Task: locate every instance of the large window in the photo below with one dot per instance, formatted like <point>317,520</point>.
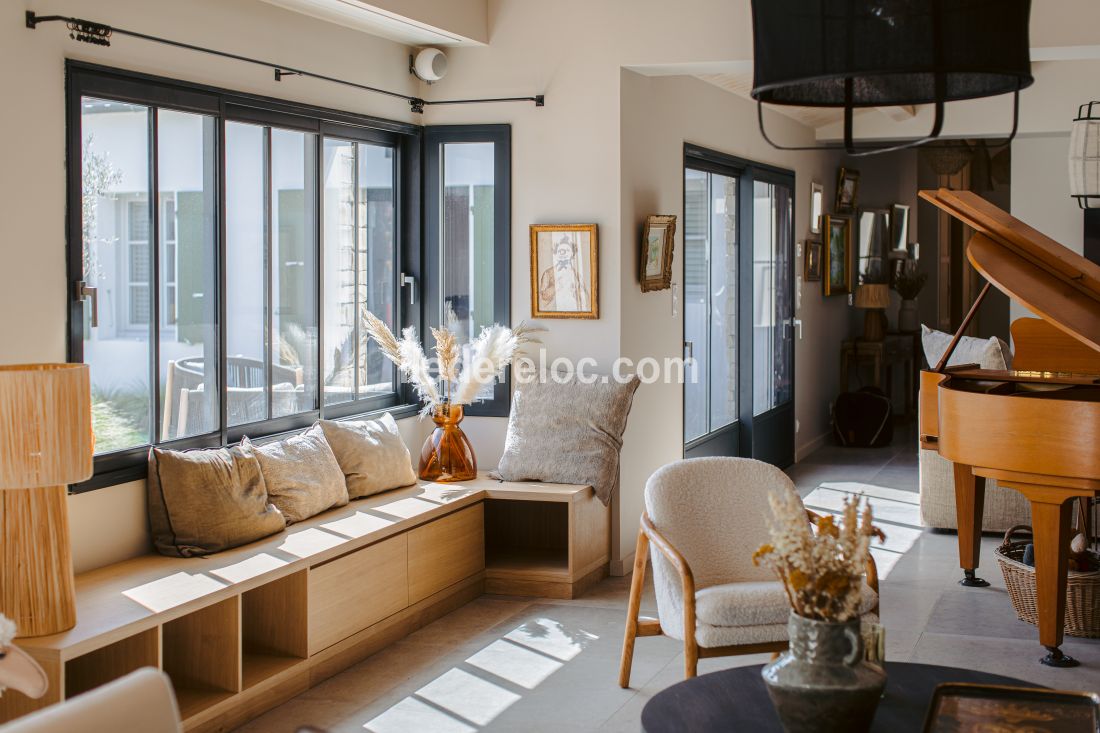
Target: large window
<point>467,233</point>
<point>224,248</point>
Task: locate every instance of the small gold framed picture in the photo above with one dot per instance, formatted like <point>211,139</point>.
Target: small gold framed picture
<point>565,272</point>
<point>658,240</point>
<point>847,191</point>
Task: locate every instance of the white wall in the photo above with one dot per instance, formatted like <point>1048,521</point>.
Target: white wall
<point>658,115</point>
<point>1040,193</point>
<point>110,524</point>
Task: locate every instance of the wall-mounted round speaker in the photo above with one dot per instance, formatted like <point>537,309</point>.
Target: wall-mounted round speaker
<point>430,64</point>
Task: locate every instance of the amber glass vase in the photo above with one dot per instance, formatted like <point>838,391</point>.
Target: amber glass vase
<point>447,454</point>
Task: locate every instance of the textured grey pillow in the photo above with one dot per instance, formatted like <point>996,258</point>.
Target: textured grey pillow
<point>204,501</point>
<point>567,433</point>
<point>301,474</point>
<point>371,454</point>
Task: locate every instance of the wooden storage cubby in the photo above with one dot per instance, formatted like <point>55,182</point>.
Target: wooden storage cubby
<point>201,652</point>
<point>99,667</point>
<point>531,536</point>
<point>274,624</point>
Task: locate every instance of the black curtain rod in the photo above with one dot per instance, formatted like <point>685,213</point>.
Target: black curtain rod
<point>87,31</point>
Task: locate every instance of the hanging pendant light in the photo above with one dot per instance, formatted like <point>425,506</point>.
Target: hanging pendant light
<point>853,54</point>
<point>1084,156</point>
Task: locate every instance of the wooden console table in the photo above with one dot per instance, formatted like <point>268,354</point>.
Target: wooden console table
<point>241,631</point>
<point>897,349</point>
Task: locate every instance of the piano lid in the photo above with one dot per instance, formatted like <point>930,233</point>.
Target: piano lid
<point>1057,284</point>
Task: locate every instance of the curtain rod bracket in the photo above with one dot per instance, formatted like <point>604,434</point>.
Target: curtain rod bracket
<point>279,74</point>
<point>417,105</point>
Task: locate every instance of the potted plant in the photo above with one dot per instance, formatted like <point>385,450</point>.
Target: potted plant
<point>822,683</point>
<point>908,283</point>
<point>459,376</point>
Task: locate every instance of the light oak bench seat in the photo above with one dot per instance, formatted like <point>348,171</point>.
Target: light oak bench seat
<point>245,629</point>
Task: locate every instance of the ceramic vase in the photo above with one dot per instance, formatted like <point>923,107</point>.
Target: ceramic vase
<point>908,319</point>
<point>447,455</point>
<point>822,684</point>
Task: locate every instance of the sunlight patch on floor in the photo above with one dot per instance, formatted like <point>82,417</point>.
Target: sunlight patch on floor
<point>474,693</point>
<point>896,512</point>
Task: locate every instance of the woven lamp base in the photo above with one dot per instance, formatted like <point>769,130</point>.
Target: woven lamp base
<point>36,566</point>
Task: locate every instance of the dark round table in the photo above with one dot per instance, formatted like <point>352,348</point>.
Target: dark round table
<point>736,700</point>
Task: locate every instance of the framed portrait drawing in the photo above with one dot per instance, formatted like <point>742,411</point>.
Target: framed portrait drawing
<point>836,253</point>
<point>847,191</point>
<point>655,271</point>
<point>811,271</point>
<point>565,271</point>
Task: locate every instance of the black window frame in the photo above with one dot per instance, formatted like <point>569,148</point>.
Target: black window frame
<point>500,136</point>
<point>84,79</point>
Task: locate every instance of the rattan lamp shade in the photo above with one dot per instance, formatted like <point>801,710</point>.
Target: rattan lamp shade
<point>872,295</point>
<point>45,443</point>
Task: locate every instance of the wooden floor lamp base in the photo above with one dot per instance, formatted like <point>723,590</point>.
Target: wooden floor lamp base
<point>36,567</point>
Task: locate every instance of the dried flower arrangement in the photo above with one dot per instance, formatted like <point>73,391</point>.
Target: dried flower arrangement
<point>458,380</point>
<point>909,282</point>
<point>822,572</point>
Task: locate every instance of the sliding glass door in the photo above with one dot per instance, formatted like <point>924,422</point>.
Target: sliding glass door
<point>738,308</point>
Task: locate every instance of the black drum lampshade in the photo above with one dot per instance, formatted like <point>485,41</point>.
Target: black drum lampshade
<point>884,53</point>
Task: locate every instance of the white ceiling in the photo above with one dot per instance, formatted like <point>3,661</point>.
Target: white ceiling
<point>360,16</point>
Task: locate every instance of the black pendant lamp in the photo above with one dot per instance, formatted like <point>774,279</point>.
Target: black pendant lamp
<point>886,53</point>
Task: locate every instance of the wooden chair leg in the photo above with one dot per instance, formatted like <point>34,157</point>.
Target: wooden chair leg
<point>637,583</point>
<point>691,659</point>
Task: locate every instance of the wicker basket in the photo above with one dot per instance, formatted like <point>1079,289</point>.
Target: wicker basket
<point>1082,589</point>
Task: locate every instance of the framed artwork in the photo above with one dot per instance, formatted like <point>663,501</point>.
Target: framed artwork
<point>656,256</point>
<point>899,228</point>
<point>817,207</point>
<point>811,270</point>
<point>565,271</point>
<point>847,191</point>
<point>837,255</point>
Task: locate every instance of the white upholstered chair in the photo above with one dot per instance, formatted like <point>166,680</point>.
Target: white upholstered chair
<point>704,519</point>
<point>140,702</point>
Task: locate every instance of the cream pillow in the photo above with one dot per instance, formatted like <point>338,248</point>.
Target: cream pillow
<point>301,473</point>
<point>991,353</point>
<point>371,454</point>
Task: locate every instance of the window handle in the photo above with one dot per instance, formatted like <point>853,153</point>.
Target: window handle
<point>84,290</point>
<point>689,346</point>
<point>411,282</point>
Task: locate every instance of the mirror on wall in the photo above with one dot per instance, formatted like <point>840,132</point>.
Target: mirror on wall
<point>899,229</point>
<point>817,206</point>
<point>874,235</point>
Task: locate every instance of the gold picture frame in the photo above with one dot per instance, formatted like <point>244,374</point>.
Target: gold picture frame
<point>565,271</point>
<point>836,255</point>
<point>655,257</point>
<point>847,191</point>
<point>811,270</point>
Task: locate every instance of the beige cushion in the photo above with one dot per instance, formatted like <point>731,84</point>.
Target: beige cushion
<point>204,501</point>
<point>1003,507</point>
<point>709,636</point>
<point>991,353</point>
<point>301,474</point>
<point>371,454</point>
<point>754,604</point>
<point>140,702</point>
<point>567,433</point>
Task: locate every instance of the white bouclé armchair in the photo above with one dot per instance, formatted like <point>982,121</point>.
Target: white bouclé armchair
<point>704,519</point>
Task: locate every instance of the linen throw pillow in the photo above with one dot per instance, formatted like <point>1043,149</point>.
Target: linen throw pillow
<point>205,501</point>
<point>567,433</point>
<point>991,353</point>
<point>371,454</point>
<point>301,474</point>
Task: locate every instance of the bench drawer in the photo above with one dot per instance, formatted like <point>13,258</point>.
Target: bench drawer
<point>352,592</point>
<point>446,551</point>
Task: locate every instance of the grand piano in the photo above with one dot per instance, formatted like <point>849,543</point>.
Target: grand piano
<point>1036,428</point>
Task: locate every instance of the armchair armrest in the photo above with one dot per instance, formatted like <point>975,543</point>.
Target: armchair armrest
<point>680,564</point>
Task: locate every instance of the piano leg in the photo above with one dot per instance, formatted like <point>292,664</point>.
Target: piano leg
<point>1051,524</point>
<point>969,506</point>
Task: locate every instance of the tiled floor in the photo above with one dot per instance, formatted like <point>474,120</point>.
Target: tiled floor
<point>516,664</point>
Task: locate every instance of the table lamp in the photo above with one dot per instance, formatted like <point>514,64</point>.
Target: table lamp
<point>875,298</point>
<point>46,442</point>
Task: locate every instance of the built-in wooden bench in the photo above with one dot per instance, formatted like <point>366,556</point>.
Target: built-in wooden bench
<point>244,630</point>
